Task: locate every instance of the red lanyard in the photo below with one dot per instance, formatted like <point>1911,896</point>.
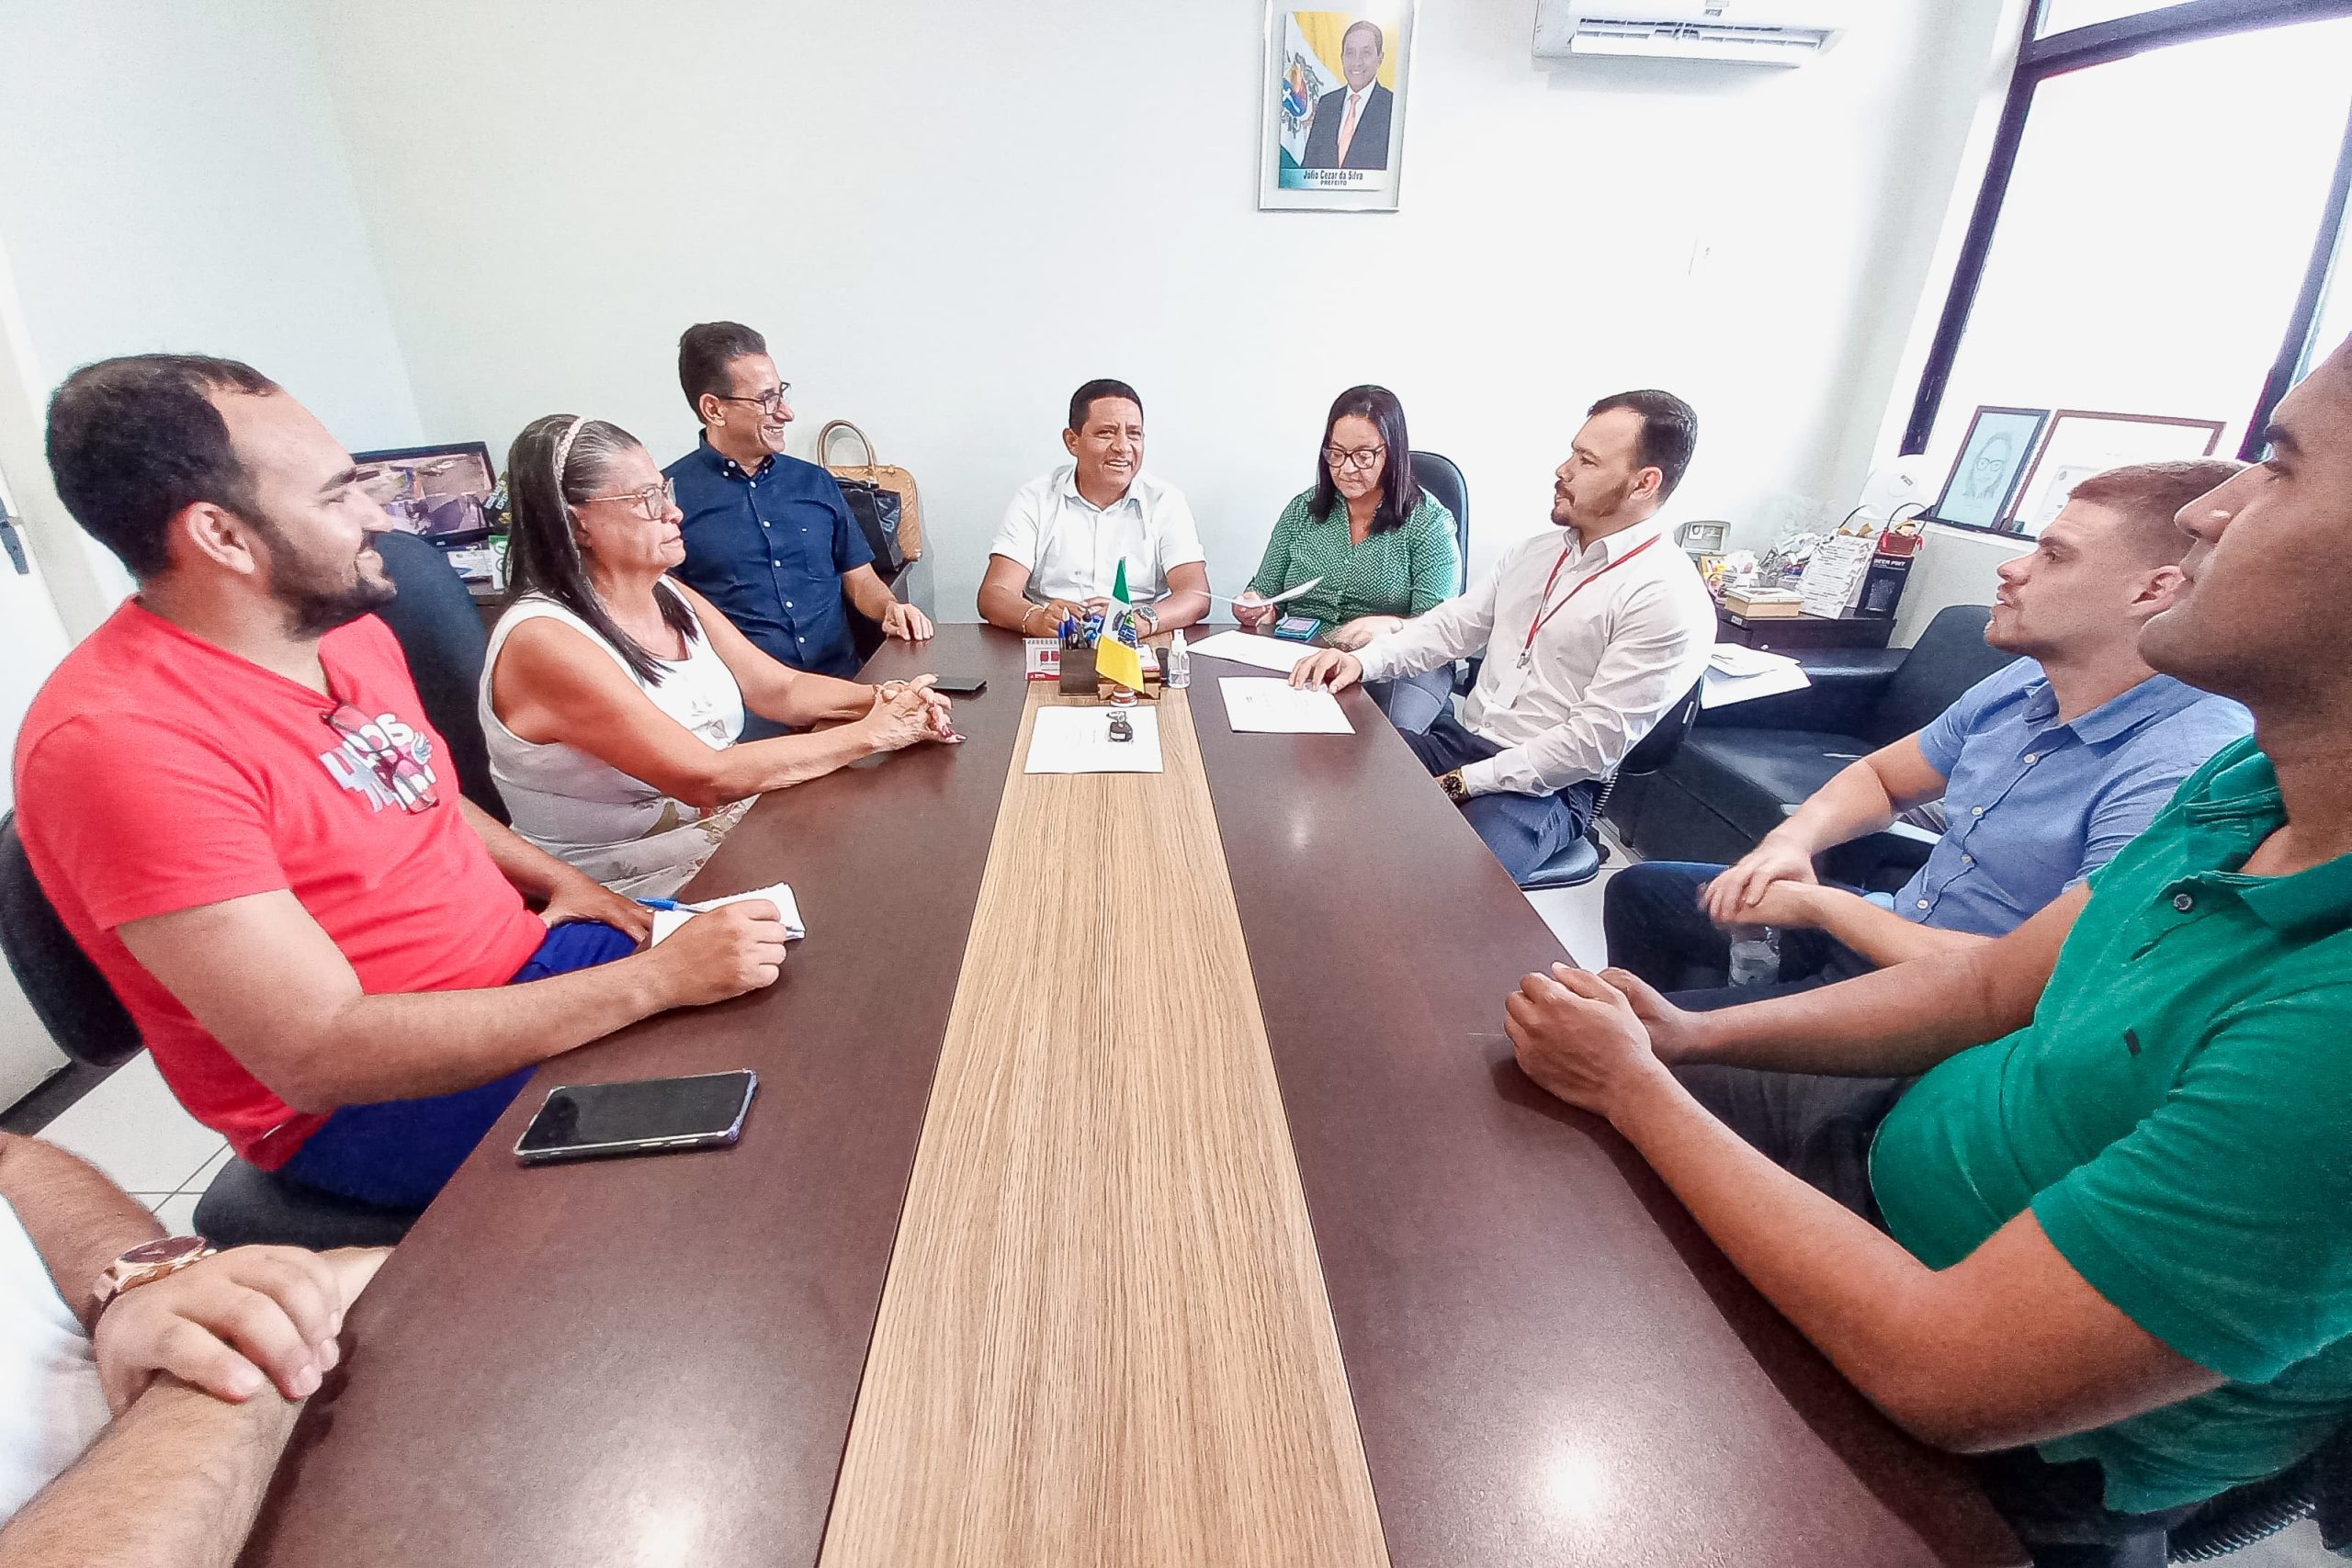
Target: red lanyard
<point>1544,617</point>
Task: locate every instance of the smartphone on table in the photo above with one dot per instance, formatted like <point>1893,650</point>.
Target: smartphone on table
<point>959,685</point>
<point>599,1121</point>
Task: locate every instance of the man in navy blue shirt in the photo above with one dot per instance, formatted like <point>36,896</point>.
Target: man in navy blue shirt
<point>769,540</point>
<point>2046,769</point>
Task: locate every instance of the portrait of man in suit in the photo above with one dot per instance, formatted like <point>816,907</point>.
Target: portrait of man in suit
<point>1349,130</point>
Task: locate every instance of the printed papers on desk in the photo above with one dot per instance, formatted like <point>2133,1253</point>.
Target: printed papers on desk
<point>1265,652</point>
<point>1078,741</point>
<point>665,921</point>
<point>1264,706</point>
<point>1736,674</point>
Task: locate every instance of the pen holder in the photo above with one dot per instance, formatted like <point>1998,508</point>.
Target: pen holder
<point>1079,678</point>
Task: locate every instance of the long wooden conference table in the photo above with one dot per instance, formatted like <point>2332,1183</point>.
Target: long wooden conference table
<point>1139,1175</point>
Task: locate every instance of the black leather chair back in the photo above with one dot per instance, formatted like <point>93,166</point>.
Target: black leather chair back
<point>69,996</point>
<point>2319,1487</point>
<point>440,631</point>
<point>1657,749</point>
<point>1438,476</point>
<point>1950,657</point>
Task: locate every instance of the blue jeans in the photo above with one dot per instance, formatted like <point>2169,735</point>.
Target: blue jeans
<point>397,1154</point>
<point>1414,702</point>
<point>1523,830</point>
<point>1651,916</point>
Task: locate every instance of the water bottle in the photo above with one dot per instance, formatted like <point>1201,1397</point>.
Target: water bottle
<point>1177,662</point>
<point>1754,956</point>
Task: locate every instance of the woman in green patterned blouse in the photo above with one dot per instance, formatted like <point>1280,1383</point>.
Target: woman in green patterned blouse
<point>1383,547</point>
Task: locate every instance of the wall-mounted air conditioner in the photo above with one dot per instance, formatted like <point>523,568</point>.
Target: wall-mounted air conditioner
<point>1748,32</point>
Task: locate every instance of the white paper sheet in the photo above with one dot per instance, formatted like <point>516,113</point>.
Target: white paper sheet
<point>1718,690</point>
<point>1260,704</point>
<point>1265,652</point>
<point>1078,741</point>
<point>665,921</point>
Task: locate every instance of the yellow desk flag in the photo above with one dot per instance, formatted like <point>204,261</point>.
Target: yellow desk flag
<point>1115,658</point>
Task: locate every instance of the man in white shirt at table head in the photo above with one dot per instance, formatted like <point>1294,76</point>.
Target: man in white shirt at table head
<point>1065,536</point>
<point>1589,636</point>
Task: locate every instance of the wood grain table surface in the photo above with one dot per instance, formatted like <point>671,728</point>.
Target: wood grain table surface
<point>1528,1346</point>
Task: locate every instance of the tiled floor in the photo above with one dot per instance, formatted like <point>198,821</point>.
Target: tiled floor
<point>1573,913</point>
<point>131,1128</point>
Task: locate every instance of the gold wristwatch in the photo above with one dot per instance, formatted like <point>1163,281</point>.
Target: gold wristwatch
<point>1452,783</point>
<point>146,1263</point>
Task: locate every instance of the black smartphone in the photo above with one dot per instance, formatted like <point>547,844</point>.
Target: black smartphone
<point>595,1121</point>
<point>959,685</point>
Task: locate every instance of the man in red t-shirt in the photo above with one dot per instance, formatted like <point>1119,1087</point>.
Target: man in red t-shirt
<point>233,795</point>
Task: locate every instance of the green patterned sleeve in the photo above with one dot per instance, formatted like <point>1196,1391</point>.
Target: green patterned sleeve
<point>1274,570</point>
<point>1436,558</point>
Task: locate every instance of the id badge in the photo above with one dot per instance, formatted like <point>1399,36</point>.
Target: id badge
<point>1510,683</point>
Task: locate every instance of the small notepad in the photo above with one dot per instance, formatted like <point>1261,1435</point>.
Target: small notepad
<point>668,920</point>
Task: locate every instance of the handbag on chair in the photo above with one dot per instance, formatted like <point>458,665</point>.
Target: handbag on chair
<point>881,497</point>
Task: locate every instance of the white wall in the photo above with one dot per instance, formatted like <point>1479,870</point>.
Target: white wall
<point>1956,566</point>
<point>944,219</point>
<point>171,177</point>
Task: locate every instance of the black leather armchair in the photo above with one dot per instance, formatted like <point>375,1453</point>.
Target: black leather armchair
<point>440,632</point>
<point>1746,767</point>
<point>245,1203</point>
<point>1442,478</point>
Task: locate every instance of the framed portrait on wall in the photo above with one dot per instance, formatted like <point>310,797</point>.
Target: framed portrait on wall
<point>1331,127</point>
<point>2082,443</point>
<point>1991,466</point>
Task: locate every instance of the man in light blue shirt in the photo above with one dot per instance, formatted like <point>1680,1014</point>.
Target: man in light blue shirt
<point>2045,768</point>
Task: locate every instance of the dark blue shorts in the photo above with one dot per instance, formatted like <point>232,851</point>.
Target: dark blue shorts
<point>399,1153</point>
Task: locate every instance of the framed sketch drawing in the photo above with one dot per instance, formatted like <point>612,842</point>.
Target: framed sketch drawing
<point>1991,466</point>
<point>2082,443</point>
<point>1332,129</point>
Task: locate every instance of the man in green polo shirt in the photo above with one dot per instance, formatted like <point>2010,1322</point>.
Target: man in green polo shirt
<point>2106,1240</point>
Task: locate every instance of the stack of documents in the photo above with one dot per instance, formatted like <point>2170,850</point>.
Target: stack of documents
<point>1736,674</point>
<point>1265,652</point>
<point>1078,741</point>
<point>1268,706</point>
<point>668,920</point>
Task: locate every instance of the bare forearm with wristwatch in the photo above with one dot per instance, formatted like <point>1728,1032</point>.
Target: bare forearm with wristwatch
<point>203,1357</point>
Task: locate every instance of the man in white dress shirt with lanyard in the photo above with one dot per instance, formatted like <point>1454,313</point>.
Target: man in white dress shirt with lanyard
<point>1059,551</point>
<point>1587,642</point>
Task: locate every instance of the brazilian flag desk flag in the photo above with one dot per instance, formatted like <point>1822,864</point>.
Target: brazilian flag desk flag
<point>1115,658</point>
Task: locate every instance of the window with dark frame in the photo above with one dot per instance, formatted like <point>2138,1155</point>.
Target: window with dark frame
<point>2271,322</point>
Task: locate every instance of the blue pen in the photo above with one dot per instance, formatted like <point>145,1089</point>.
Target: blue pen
<point>671,904</point>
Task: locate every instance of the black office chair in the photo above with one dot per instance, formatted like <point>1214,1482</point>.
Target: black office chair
<point>440,632</point>
<point>2319,1485</point>
<point>1442,478</point>
<point>244,1204</point>
<point>1580,859</point>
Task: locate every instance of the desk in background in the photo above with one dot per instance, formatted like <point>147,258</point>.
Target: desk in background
<point>1788,634</point>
